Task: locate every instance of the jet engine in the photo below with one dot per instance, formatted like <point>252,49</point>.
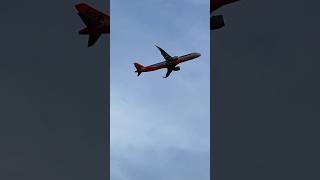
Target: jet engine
<point>177,68</point>
<point>175,57</point>
<point>216,22</point>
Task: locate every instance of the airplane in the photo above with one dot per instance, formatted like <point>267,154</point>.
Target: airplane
<point>217,22</point>
<point>97,22</point>
<point>170,63</point>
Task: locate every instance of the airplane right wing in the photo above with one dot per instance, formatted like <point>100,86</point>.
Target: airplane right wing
<point>166,56</point>
<point>90,16</point>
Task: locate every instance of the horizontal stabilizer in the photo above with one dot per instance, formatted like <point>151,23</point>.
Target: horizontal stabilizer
<point>93,39</point>
<point>139,68</point>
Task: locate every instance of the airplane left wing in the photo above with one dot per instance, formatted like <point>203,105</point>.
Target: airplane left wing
<point>166,56</point>
<point>169,70</point>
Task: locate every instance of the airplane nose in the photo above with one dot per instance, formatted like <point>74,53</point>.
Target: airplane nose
<point>198,54</point>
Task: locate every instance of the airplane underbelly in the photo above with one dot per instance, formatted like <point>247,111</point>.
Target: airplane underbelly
<point>152,68</point>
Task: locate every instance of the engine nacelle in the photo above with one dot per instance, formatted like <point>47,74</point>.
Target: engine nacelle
<point>216,22</point>
<point>177,68</point>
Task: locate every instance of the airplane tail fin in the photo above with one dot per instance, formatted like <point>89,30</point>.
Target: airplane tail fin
<point>139,68</point>
<point>93,19</point>
<point>89,15</point>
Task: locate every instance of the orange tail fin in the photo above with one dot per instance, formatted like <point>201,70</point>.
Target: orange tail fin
<point>139,68</point>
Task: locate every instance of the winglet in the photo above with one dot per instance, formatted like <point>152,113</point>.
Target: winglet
<point>157,46</point>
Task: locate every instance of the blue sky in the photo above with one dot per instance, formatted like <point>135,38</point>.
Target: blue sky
<point>160,128</point>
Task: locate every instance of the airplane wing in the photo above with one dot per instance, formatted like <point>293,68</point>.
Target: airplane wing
<point>169,70</point>
<point>90,16</point>
<point>216,4</point>
<point>166,56</point>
